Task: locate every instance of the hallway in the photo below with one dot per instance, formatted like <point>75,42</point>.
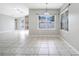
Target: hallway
<point>19,43</point>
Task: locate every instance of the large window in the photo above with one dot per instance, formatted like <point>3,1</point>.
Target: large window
<point>46,22</point>
<point>64,21</point>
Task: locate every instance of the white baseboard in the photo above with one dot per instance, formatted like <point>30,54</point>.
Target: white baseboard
<point>74,49</point>
<point>6,31</point>
<point>54,36</point>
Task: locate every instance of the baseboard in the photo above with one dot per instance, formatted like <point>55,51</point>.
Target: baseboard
<point>54,36</point>
<point>74,49</point>
<point>6,31</point>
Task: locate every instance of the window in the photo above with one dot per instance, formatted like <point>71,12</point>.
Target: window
<point>46,22</point>
<point>64,21</point>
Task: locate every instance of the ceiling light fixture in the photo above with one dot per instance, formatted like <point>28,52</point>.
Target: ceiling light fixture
<point>46,10</point>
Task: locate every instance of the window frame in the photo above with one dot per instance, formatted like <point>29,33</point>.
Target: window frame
<point>47,28</point>
<point>67,9</point>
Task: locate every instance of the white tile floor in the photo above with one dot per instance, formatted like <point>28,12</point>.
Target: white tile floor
<point>20,44</point>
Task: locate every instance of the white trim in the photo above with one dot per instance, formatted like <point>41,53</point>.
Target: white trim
<point>64,11</point>
<point>7,31</point>
<point>54,36</point>
<point>64,30</point>
<point>60,17</point>
<point>74,49</point>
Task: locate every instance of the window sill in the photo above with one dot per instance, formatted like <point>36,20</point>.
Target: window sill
<point>47,29</point>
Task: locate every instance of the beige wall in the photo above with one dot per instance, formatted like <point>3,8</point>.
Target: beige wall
<point>33,22</point>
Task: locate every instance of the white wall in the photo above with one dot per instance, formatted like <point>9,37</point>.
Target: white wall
<point>72,36</point>
<point>33,22</point>
<point>7,23</point>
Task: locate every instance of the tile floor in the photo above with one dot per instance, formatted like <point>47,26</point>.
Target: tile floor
<point>21,44</point>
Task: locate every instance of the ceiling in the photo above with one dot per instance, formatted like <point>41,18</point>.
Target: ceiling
<point>32,5</point>
<point>14,10</point>
<point>43,5</point>
<point>22,9</point>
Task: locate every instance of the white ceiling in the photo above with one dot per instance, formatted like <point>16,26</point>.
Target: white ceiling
<point>22,9</point>
<point>32,5</point>
<point>43,5</point>
<point>14,10</point>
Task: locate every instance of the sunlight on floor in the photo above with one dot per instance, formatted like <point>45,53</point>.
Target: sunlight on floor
<point>23,34</point>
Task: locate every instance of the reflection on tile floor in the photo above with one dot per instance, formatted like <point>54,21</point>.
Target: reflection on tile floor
<point>20,44</point>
